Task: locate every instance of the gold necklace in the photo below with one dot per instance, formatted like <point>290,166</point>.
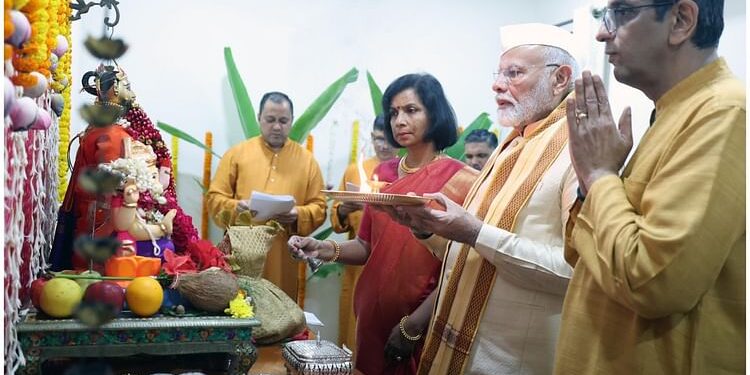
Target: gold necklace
<point>404,168</point>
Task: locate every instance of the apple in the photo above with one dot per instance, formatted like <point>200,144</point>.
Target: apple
<point>36,292</point>
<point>84,283</point>
<point>106,292</point>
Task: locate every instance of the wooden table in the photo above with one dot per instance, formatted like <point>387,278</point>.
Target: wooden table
<point>44,338</point>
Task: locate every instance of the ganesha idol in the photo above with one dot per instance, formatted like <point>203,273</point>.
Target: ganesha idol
<point>150,230</point>
<point>142,212</point>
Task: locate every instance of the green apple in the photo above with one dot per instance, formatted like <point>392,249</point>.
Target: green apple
<point>84,283</point>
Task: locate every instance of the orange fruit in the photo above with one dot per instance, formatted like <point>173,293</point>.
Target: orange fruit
<point>144,296</point>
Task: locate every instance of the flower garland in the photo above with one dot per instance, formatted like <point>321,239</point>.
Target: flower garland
<point>30,182</point>
<point>137,170</point>
<point>175,152</point>
<point>206,181</point>
<point>355,140</point>
<point>142,129</point>
<point>34,55</point>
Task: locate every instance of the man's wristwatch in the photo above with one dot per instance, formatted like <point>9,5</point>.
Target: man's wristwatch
<point>421,235</point>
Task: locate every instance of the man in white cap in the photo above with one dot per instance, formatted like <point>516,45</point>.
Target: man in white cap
<point>504,275</point>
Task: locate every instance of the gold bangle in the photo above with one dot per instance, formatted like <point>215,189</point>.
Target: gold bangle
<point>403,330</point>
<point>336,251</point>
<point>130,205</point>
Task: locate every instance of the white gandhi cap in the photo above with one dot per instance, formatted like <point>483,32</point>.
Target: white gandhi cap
<point>512,36</point>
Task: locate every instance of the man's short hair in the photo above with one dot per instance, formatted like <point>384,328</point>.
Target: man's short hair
<point>710,22</point>
<point>482,135</point>
<point>442,132</point>
<point>555,55</point>
<point>379,123</point>
<point>276,97</point>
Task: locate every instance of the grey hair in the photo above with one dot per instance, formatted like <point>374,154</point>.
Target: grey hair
<point>554,55</point>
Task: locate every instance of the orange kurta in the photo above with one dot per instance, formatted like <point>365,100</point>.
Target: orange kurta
<point>350,225</point>
<point>253,166</point>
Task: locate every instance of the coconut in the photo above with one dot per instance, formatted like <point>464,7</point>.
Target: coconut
<point>209,290</point>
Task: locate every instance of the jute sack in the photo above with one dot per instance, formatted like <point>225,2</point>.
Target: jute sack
<point>247,247</point>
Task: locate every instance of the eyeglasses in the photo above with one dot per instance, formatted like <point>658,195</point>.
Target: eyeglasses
<point>515,74</point>
<point>620,15</point>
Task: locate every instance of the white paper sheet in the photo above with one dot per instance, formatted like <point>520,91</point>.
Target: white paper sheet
<point>267,206</point>
<point>313,320</point>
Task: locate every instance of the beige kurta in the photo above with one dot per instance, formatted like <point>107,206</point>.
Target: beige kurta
<point>519,326</point>
<point>659,287</point>
<point>347,321</point>
<point>253,166</point>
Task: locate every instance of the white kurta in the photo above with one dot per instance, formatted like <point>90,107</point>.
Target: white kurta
<point>520,325</point>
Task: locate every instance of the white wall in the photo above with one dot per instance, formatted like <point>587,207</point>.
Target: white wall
<point>175,63</point>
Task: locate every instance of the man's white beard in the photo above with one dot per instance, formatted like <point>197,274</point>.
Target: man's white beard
<point>528,107</point>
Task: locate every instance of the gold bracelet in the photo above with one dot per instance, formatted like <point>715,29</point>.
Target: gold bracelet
<point>336,251</point>
<point>130,205</point>
<point>403,330</point>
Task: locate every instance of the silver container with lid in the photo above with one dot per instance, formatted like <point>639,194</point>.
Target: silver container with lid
<point>317,357</point>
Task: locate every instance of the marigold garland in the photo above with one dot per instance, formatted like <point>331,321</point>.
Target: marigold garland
<point>175,153</point>
<point>9,28</point>
<point>302,266</point>
<point>206,182</point>
<point>355,141</point>
<point>34,54</point>
<point>63,73</point>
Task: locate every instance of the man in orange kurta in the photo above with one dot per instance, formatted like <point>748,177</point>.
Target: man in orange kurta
<point>346,218</point>
<point>274,165</point>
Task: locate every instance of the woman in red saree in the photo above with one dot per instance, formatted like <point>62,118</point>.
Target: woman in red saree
<point>394,298</point>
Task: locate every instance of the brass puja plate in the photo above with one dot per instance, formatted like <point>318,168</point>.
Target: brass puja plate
<point>384,199</point>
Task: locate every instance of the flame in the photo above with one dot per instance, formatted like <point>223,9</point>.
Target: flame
<point>375,184</point>
<point>364,186</point>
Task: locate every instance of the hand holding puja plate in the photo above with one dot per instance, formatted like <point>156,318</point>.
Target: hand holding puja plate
<point>384,199</point>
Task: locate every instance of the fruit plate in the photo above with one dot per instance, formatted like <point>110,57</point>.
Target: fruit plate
<point>385,199</point>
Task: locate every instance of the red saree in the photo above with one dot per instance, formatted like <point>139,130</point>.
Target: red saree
<point>400,272</point>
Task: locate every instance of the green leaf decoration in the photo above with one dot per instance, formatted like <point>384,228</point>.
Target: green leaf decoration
<point>204,189</point>
<point>328,269</point>
<point>375,94</point>
<point>320,107</point>
<point>481,122</point>
<point>323,234</point>
<point>244,107</point>
<point>184,136</point>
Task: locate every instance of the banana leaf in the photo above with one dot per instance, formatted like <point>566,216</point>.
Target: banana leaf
<point>184,136</point>
<point>481,122</point>
<point>244,107</point>
<point>375,94</point>
<point>320,107</point>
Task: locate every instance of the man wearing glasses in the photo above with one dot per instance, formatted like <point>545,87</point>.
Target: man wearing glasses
<point>659,282</point>
<point>504,276</point>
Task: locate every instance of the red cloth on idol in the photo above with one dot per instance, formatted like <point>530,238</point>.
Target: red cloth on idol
<point>97,145</point>
<point>401,272</point>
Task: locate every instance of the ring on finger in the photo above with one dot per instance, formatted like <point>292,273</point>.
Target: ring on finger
<point>581,115</point>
